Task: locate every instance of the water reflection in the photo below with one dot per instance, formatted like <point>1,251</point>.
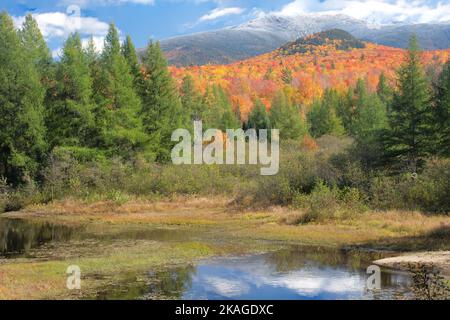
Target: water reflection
<point>18,236</point>
<point>296,273</point>
<point>293,273</point>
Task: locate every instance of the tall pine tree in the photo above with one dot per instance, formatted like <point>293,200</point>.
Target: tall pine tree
<point>36,47</point>
<point>191,100</point>
<point>71,120</point>
<point>442,113</point>
<point>130,54</point>
<point>22,143</point>
<point>258,118</point>
<point>285,117</point>
<point>118,103</point>
<point>322,117</point>
<point>408,139</point>
<point>161,109</point>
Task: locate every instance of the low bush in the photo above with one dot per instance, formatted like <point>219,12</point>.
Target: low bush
<point>429,191</point>
<point>325,203</point>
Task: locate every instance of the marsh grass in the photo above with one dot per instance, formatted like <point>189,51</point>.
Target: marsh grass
<point>212,229</point>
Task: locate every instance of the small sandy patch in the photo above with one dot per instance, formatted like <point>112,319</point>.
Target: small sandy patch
<point>439,259</point>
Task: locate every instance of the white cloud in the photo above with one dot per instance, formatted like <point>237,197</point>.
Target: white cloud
<point>220,12</point>
<point>87,3</point>
<point>227,288</point>
<point>376,11</point>
<point>60,25</point>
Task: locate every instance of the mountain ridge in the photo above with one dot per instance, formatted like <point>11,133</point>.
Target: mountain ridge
<point>268,33</point>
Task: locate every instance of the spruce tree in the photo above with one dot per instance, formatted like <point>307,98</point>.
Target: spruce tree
<point>229,120</point>
<point>22,144</point>
<point>191,100</point>
<point>258,118</point>
<point>442,113</point>
<point>161,110</point>
<point>36,46</point>
<point>322,117</point>
<point>90,52</point>
<point>118,103</point>
<point>129,52</point>
<point>409,138</point>
<point>345,110</point>
<point>384,91</point>
<point>71,121</point>
<point>368,129</point>
<point>286,118</point>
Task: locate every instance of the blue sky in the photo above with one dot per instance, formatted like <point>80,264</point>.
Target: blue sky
<point>159,19</point>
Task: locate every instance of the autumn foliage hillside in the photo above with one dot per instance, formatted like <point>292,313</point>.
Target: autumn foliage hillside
<point>303,72</point>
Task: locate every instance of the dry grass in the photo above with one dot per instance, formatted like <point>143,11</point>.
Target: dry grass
<point>218,228</point>
<point>272,224</point>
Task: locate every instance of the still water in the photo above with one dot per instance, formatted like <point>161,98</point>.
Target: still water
<point>294,272</point>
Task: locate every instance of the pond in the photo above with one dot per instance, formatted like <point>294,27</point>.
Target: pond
<point>294,272</point>
<point>18,237</point>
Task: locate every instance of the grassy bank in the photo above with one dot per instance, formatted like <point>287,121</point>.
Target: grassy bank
<point>197,228</point>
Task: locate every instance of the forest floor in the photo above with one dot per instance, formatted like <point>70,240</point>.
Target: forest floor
<point>115,240</point>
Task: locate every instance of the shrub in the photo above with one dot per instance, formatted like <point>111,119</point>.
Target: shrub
<point>320,205</point>
<point>329,203</point>
<point>428,191</point>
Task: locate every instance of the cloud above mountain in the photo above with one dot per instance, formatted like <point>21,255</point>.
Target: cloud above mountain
<point>220,12</point>
<point>375,11</point>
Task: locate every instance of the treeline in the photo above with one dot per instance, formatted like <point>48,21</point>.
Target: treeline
<point>89,105</point>
<point>93,106</point>
<point>396,127</point>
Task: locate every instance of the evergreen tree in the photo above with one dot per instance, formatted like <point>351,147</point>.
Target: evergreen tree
<point>161,110</point>
<point>118,104</point>
<point>322,117</point>
<point>368,129</point>
<point>191,100</point>
<point>345,110</point>
<point>94,62</point>
<point>258,118</point>
<point>372,118</point>
<point>90,52</point>
<point>384,91</point>
<point>22,143</point>
<point>129,52</point>
<point>229,120</point>
<point>285,117</point>
<point>219,112</point>
<point>71,121</point>
<point>35,45</point>
<point>442,113</point>
<point>408,139</point>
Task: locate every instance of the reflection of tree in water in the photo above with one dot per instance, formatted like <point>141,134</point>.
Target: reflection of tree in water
<point>302,257</point>
<point>171,284</point>
<point>19,236</point>
<point>297,257</point>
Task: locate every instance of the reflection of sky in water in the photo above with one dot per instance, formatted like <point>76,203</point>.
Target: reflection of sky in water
<point>255,278</point>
